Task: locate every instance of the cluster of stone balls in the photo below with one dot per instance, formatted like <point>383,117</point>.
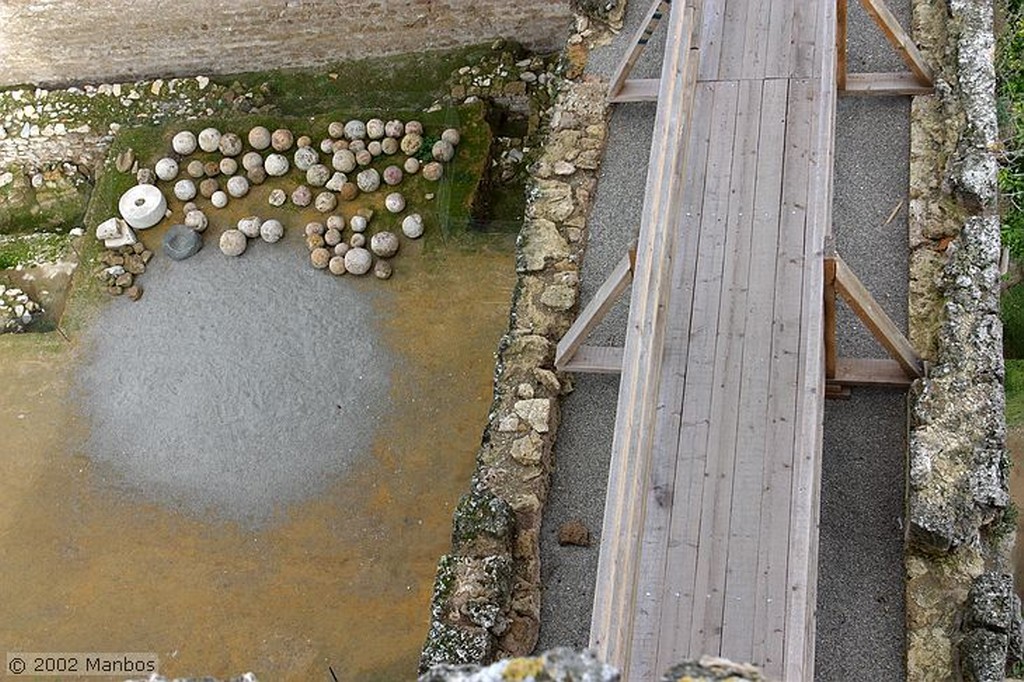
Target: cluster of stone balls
<point>328,248</point>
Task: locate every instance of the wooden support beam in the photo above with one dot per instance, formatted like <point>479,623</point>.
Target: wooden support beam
<point>596,360</point>
<point>876,320</point>
<point>890,26</point>
<point>638,90</point>
<point>870,372</point>
<point>830,318</point>
<point>841,44</point>
<point>659,9</point>
<point>881,84</point>
<point>595,311</point>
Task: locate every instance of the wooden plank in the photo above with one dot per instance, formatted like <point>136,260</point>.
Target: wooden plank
<point>876,320</point>
<point>830,318</point>
<point>805,61</point>
<point>885,84</point>
<point>596,360</point>
<point>712,18</point>
<point>890,26</point>
<point>841,43</point>
<point>755,48</point>
<point>595,311</point>
<point>870,372</point>
<point>637,90</point>
<point>780,32</point>
<point>659,8</point>
<point>738,616</point>
<point>665,492</point>
<point>612,618</point>
<point>731,63</point>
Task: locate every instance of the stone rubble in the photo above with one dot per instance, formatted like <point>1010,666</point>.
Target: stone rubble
<point>17,310</point>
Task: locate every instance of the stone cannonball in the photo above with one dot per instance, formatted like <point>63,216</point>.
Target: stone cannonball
<point>252,160</point>
<point>259,138</point>
<point>395,202</point>
<point>304,141</point>
<point>208,186</point>
<point>412,165</point>
<point>374,148</point>
<point>189,206</point>
<point>389,146</point>
<point>315,228</point>
<point>338,145</point>
<point>166,169</point>
<point>230,144</point>
<point>196,220</point>
<point>341,249</point>
<point>336,222</point>
<point>337,265</point>
<point>414,127</point>
<point>355,130</point>
<point>219,199</point>
<point>228,166</point>
<point>368,180</point>
<point>442,151</point>
<point>238,186</point>
<point>143,206</point>
<point>327,145</point>
<point>256,176</point>
<point>358,223</point>
<point>452,136</point>
<point>344,160</point>
<point>211,169</point>
<point>336,182</point>
<point>364,158</point>
<point>209,139</point>
<point>358,261</point>
<point>384,244</point>
<point>195,169</point>
<point>349,191</point>
<point>320,258</point>
<point>357,145</point>
<point>394,128</point>
<point>392,175</point>
<point>412,226</point>
<point>276,165</point>
<point>271,231</point>
<point>232,243</point>
<point>318,174</point>
<point>357,240</point>
<point>325,202</point>
<point>185,189</point>
<point>336,129</point>
<point>277,197</point>
<point>314,242</point>
<point>302,196</point>
<point>184,143</point>
<point>305,157</point>
<point>411,144</point>
<point>250,226</point>
<point>282,140</point>
<point>433,171</point>
<point>382,269</point>
<point>375,129</point>
<point>332,237</point>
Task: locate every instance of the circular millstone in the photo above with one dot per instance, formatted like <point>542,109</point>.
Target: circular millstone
<point>142,206</point>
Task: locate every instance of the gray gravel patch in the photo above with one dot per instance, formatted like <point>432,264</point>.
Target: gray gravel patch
<point>235,386</point>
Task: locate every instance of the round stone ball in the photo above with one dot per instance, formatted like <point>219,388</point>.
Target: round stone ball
<point>355,130</point>
<point>250,226</point>
<point>325,202</point>
<point>336,182</point>
<point>232,243</point>
<point>374,148</point>
<point>382,270</point>
<point>443,151</point>
<point>211,169</point>
<point>414,127</point>
<point>318,174</point>
<point>349,191</point>
<point>315,228</point>
<point>230,144</point>
<point>384,244</point>
<point>375,129</point>
<point>271,231</point>
<point>185,189</point>
<point>314,242</point>
<point>196,220</point>
<point>184,143</point>
<point>256,176</point>
<point>252,160</point>
<point>282,140</point>
<point>320,258</point>
<point>357,240</point>
<point>364,158</point>
<point>389,146</point>
<point>302,196</point>
<point>344,160</point>
<point>327,145</point>
<point>259,138</point>
<point>395,202</point>
<point>304,141</point>
<point>228,166</point>
<point>433,171</point>
<point>209,139</point>
<point>219,199</point>
<point>195,168</point>
<point>451,136</point>
<point>357,145</point>
<point>277,197</point>
<point>392,175</point>
<point>238,186</point>
<point>358,261</point>
<point>394,128</point>
<point>332,237</point>
<point>411,143</point>
<point>276,165</point>
<point>412,165</point>
<point>358,223</point>
<point>208,186</point>
<point>337,265</point>
<point>305,157</point>
<point>336,222</point>
<point>336,129</point>
<point>189,206</point>
<point>368,180</point>
<point>341,249</point>
<point>166,169</point>
<point>338,145</point>
<point>412,226</point>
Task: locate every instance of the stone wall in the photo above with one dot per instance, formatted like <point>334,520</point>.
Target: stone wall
<point>60,41</point>
<point>963,618</point>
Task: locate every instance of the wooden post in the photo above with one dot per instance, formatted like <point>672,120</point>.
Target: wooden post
<point>841,45</point>
<point>830,318</point>
<point>595,310</point>
<point>643,35</point>
<point>886,21</point>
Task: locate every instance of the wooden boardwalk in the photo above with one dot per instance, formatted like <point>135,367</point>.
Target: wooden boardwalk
<point>710,537</point>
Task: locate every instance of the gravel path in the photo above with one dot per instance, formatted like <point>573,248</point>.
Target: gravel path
<point>234,386</point>
<point>860,607</point>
